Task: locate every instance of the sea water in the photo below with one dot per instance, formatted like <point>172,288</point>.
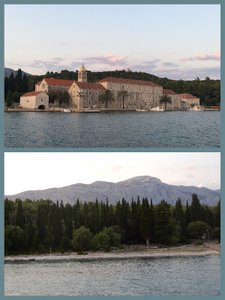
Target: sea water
<point>174,276</point>
<point>112,129</point>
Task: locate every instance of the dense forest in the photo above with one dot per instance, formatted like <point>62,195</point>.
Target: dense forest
<point>44,226</point>
<point>207,90</point>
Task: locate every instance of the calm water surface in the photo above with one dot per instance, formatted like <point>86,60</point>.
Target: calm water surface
<point>114,130</point>
<point>150,276</point>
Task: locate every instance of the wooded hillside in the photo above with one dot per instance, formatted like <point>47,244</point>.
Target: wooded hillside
<point>207,90</point>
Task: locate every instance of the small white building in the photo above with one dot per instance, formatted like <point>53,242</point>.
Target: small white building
<point>34,100</point>
<point>187,100</point>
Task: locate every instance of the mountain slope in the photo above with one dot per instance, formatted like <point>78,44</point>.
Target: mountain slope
<point>143,186</point>
<point>8,71</point>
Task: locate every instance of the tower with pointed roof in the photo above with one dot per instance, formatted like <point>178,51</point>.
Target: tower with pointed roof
<point>82,74</point>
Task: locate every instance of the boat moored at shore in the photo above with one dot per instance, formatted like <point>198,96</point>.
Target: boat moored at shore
<point>197,108</point>
<point>157,109</point>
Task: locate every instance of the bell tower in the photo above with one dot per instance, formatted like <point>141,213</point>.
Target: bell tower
<point>82,74</point>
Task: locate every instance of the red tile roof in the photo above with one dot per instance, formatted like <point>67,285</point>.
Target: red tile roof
<point>128,81</point>
<point>31,94</point>
<point>169,92</point>
<point>187,96</point>
<point>60,82</point>
<point>90,86</point>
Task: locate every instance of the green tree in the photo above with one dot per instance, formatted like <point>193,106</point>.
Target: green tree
<point>196,211</point>
<point>198,229</point>
<point>25,83</point>
<point>187,214</point>
<point>216,215</point>
<point>20,219</point>
<point>77,218</point>
<point>68,221</point>
<point>107,238</point>
<point>14,239</point>
<point>179,216</point>
<point>6,87</point>
<point>167,230</point>
<point>106,96</point>
<point>12,83</point>
<point>19,81</point>
<point>122,216</point>
<point>123,95</point>
<point>165,100</point>
<point>101,241</point>
<point>9,211</point>
<point>9,99</point>
<point>57,227</point>
<point>64,99</point>
<point>145,221</point>
<point>41,221</point>
<point>82,239</point>
<point>49,239</point>
<point>134,222</point>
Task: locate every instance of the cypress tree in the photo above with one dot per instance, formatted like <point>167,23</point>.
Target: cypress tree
<point>20,219</point>
<point>179,217</point>
<point>187,214</point>
<point>18,80</point>
<point>163,215</point>
<point>196,212</point>
<point>145,221</point>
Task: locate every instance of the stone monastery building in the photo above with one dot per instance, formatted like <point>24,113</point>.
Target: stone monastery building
<point>128,94</point>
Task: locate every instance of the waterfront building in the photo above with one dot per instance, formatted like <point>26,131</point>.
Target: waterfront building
<point>174,105</point>
<point>34,100</point>
<point>130,94</point>
<point>127,94</point>
<point>187,101</point>
<point>85,95</point>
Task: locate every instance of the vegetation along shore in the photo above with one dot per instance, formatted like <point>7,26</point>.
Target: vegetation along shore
<point>42,226</point>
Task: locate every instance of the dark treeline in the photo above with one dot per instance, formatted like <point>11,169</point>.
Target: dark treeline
<point>207,90</point>
<point>44,226</point>
<point>15,86</point>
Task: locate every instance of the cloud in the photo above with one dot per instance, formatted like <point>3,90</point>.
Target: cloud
<point>146,66</point>
<point>169,64</point>
<point>203,57</point>
<point>108,59</point>
<point>10,63</point>
<point>54,64</point>
<point>174,71</point>
<point>188,73</point>
<point>111,61</point>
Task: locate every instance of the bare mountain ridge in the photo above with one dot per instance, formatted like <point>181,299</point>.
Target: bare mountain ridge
<point>142,186</point>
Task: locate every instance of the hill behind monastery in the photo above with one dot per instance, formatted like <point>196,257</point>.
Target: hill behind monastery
<point>143,186</point>
<point>207,90</point>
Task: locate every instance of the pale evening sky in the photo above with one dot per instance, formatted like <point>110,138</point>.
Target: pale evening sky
<point>174,41</point>
<point>41,170</point>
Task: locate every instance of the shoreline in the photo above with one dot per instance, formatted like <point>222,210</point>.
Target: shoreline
<point>152,252</point>
<point>73,110</point>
